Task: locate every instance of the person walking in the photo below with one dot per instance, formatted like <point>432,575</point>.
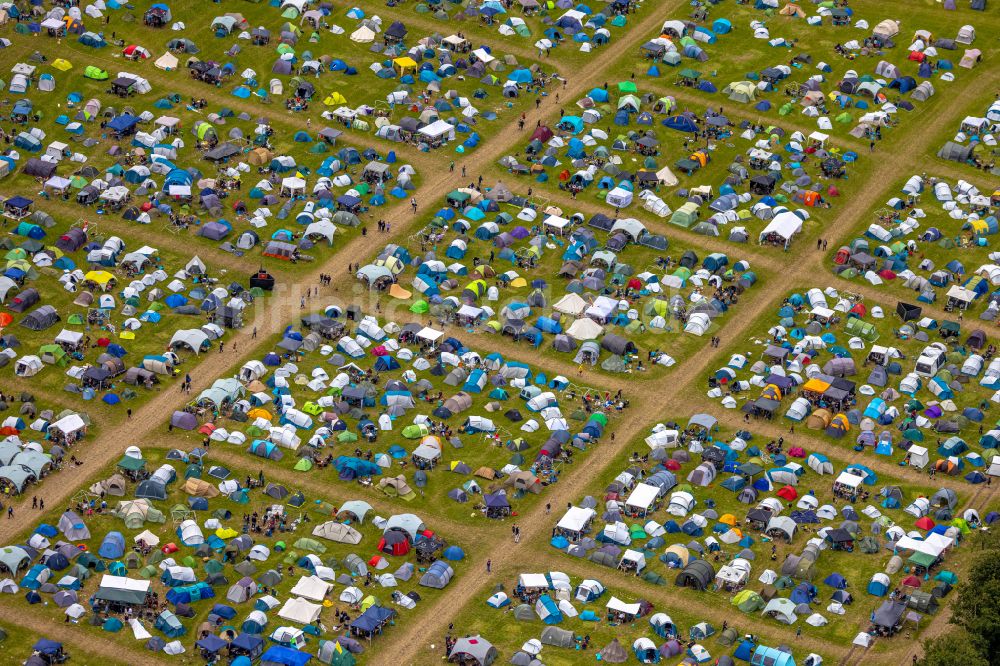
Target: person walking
<point>128,413</point>
<point>489,566</point>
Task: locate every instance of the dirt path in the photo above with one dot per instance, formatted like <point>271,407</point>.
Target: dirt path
<point>79,637</point>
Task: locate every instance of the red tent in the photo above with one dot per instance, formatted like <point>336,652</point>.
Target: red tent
<point>788,493</point>
<point>797,452</point>
<point>911,581</point>
<point>672,465</point>
<point>925,523</point>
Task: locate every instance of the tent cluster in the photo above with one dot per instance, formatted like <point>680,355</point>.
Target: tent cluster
<point>206,565</point>
<point>824,343</point>
<point>293,204</point>
<point>869,100</point>
<point>975,140</point>
<point>127,295</point>
<point>892,250</point>
<point>597,304</point>
<point>567,609</point>
<point>778,173</point>
<point>23,460</point>
<point>659,521</point>
<point>329,402</point>
<point>554,24</point>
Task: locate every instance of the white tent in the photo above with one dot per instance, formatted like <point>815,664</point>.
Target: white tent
<point>301,611</point>
<point>312,587</point>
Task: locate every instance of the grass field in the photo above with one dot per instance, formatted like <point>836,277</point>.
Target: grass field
<point>358,73</point>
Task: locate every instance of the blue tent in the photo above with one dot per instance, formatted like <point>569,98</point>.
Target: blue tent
<point>772,656</point>
<point>113,546</point>
<point>123,123</point>
<point>453,553</point>
<point>520,76</point>
<point>553,614</point>
<point>278,654</point>
<point>681,124</point>
<point>836,581</point>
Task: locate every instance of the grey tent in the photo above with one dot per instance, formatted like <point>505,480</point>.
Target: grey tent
<point>41,318</point>
<point>37,168</point>
<point>945,497</point>
<point>698,574</point>
<point>889,615</point>
<point>558,637</point>
<point>473,648</point>
<point>524,612</point>
<point>955,152</point>
<point>617,344</point>
<point>614,653</point>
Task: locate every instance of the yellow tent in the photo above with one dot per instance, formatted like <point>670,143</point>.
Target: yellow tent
<point>398,292</point>
<point>519,282</point>
<point>127,335</point>
<point>404,64</point>
<point>368,602</point>
<point>728,519</point>
<point>62,64</point>
<point>101,278</point>
<point>335,98</point>
<point>226,533</point>
<point>259,413</point>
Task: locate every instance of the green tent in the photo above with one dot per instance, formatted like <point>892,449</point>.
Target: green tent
<point>130,464</point>
<point>748,601</point>
<point>419,307</point>
<point>331,653</point>
<point>305,543</point>
<point>630,87</point>
<point>96,73</point>
<point>415,431</point>
<point>53,355</point>
<point>303,465</point>
<point>347,436</point>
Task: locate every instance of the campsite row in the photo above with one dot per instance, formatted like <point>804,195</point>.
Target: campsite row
<point>786,534</point>
<point>931,243</point>
<point>557,617</point>
<point>404,412</point>
<point>312,58</point>
<point>913,388</point>
<point>622,295</point>
<point>141,167</point>
<point>158,549</point>
<point>776,184</point>
<point>846,70</point>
